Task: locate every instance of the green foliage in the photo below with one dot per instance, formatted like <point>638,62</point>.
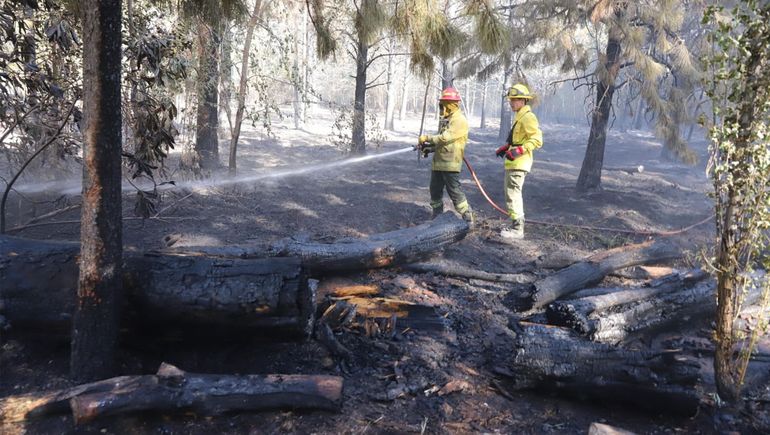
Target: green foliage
<point>489,31</point>
<point>342,137</point>
<point>39,81</point>
<point>214,12</point>
<point>739,87</point>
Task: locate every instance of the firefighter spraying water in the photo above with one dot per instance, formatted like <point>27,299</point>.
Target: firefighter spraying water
<point>448,149</point>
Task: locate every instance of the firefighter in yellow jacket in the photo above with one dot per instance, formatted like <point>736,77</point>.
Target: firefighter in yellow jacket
<point>449,148</point>
<point>524,138</point>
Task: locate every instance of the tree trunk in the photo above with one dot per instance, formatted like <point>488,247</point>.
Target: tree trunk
<point>505,109</point>
<point>206,134</point>
<point>243,87</point>
<point>173,390</point>
<point>591,171</point>
<point>468,97</point>
<point>99,286</point>
<point>226,75</point>
<point>404,93</point>
<point>593,270</point>
<point>306,66</point>
<point>212,294</point>
<point>552,358</point>
<point>390,94</point>
<point>447,75</point>
<point>359,104</point>
<point>296,80</point>
<point>483,123</point>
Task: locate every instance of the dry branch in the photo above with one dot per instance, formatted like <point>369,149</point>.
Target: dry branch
<point>446,268</point>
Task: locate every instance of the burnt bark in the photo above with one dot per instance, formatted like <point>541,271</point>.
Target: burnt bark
<point>592,270</point>
<point>578,314</point>
<point>173,390</point>
<point>99,285</point>
<point>553,358</point>
<point>207,123</point>
<point>402,246</point>
<point>218,294</point>
<point>591,171</point>
<point>380,250</point>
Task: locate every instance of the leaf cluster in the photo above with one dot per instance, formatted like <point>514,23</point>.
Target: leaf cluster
<point>739,87</point>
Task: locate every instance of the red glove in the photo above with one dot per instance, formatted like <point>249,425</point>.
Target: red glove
<point>501,151</point>
<point>514,152</point>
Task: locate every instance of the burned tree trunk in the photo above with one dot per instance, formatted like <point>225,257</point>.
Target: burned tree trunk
<point>406,245</point>
<point>380,250</point>
<point>173,390</point>
<point>39,281</point>
<point>575,313</point>
<point>592,270</point>
<point>614,327</point>
<point>552,358</point>
<point>95,324</point>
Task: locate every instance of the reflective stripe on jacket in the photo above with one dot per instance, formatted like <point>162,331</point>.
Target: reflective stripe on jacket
<point>525,133</point>
<point>450,143</point>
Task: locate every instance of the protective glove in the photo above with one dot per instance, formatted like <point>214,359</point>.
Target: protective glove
<point>501,151</point>
<point>514,152</point>
<point>423,138</point>
<point>427,149</point>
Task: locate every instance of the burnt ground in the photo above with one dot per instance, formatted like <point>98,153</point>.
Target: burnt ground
<point>377,196</point>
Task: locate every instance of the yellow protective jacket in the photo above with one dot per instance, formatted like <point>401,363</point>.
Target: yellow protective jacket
<point>450,143</point>
<point>527,134</point>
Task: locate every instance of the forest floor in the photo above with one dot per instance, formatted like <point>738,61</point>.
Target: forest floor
<point>381,195</point>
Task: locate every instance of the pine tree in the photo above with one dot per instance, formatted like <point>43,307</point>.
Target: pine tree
<point>95,324</point>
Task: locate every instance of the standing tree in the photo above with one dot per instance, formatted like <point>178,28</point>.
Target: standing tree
<point>210,17</point>
<point>423,26</point>
<point>95,324</point>
<point>740,169</point>
<point>644,38</point>
<point>235,132</point>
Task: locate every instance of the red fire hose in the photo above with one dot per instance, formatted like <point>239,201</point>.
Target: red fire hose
<point>555,224</point>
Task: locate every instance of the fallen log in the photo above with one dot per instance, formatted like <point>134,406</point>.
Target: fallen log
<point>453,269</point>
<point>173,390</point>
<point>662,311</point>
<point>553,358</point>
<point>402,246</point>
<point>592,270</point>
<point>579,314</point>
<point>39,282</point>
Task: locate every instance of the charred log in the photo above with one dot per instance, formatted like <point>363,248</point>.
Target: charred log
<point>39,281</point>
<point>552,358</point>
<point>173,390</point>
<point>376,251</point>
<point>580,314</point>
<point>591,271</point>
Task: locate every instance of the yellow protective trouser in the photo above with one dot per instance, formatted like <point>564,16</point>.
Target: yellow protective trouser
<point>514,182</point>
<point>451,181</point>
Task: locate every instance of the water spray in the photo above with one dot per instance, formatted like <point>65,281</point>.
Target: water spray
<point>75,187</point>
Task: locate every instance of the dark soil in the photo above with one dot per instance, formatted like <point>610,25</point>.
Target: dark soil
<point>377,196</point>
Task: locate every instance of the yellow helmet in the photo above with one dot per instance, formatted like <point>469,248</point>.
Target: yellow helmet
<point>519,91</point>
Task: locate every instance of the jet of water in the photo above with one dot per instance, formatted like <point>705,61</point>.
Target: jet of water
<point>74,188</point>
